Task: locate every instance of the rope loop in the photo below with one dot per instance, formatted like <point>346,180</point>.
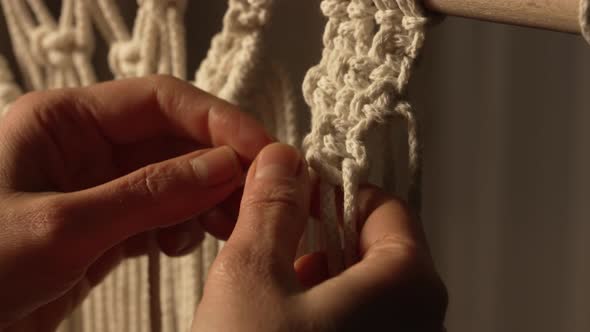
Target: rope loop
<point>389,17</point>
<point>54,47</point>
<point>124,58</point>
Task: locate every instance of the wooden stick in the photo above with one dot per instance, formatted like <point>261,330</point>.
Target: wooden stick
<point>559,15</point>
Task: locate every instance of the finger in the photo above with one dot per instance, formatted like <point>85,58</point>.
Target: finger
<point>312,269</point>
<point>155,196</point>
<point>217,223</point>
<point>395,273</point>
<point>181,239</point>
<point>231,206</point>
<point>131,157</point>
<point>160,104</point>
<point>381,216</point>
<point>273,213</point>
<point>104,265</point>
<point>137,245</point>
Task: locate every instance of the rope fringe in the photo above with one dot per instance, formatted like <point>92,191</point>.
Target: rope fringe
<point>369,49</point>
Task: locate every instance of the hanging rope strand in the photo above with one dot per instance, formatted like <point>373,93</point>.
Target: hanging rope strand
<point>19,23</point>
<point>369,49</point>
<point>9,91</point>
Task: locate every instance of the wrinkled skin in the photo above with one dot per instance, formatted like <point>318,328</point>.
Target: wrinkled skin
<point>91,176</point>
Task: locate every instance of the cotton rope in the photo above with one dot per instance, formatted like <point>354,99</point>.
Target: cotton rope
<point>359,84</point>
<point>369,48</point>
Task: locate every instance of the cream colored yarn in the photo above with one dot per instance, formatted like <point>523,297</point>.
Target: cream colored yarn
<point>8,90</point>
<point>360,83</point>
<point>369,50</point>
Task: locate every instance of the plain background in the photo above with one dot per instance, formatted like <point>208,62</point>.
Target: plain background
<point>506,185</point>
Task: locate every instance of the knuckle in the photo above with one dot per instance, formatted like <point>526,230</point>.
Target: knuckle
<point>164,87</point>
<point>27,104</point>
<point>405,252</point>
<point>235,266</point>
<point>154,180</point>
<point>167,91</point>
<point>50,107</point>
<point>162,80</point>
<point>276,198</point>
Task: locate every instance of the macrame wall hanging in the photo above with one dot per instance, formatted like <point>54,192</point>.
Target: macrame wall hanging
<point>360,83</point>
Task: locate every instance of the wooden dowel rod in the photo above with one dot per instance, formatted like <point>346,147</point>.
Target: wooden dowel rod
<point>559,15</point>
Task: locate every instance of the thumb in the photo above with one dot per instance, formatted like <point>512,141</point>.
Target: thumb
<point>157,195</point>
<point>272,216</point>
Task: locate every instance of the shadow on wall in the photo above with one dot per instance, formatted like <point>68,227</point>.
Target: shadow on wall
<point>506,185</point>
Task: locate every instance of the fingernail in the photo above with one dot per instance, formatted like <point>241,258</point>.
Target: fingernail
<point>217,166</point>
<point>278,161</point>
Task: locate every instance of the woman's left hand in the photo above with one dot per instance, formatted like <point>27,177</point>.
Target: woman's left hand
<point>89,175</point>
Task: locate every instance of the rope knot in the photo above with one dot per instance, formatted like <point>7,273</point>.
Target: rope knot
<point>51,46</point>
<point>124,58</point>
<point>247,17</point>
<point>362,10</point>
<point>327,170</point>
<point>413,22</point>
<point>359,72</point>
<point>388,17</point>
<point>334,8</point>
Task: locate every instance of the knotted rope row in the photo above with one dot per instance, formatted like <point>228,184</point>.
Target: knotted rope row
<point>360,82</point>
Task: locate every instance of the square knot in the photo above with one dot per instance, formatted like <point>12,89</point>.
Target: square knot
<point>388,17</point>
<point>124,58</point>
<point>359,72</point>
<point>54,47</point>
<point>334,8</point>
<point>329,171</point>
<point>328,154</point>
<point>361,10</point>
<point>246,18</point>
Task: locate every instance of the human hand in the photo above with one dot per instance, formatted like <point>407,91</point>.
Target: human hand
<point>88,175</point>
<point>254,284</point>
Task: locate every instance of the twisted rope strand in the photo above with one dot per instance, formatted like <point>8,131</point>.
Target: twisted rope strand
<point>369,49</point>
<point>9,91</point>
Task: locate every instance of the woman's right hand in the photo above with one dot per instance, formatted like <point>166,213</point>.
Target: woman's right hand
<point>254,284</point>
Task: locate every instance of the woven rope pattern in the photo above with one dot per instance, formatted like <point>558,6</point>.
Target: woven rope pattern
<point>360,82</point>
